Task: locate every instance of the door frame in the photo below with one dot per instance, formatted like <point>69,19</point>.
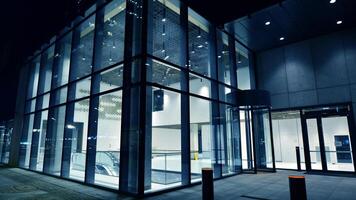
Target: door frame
<point>318,113</point>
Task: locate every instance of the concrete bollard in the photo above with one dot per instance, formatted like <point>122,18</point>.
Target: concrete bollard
<point>297,188</point>
<point>208,184</point>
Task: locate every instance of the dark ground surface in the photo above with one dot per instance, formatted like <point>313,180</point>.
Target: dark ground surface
<point>22,184</point>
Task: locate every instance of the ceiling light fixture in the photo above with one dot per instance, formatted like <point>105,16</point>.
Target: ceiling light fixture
<point>332,1</point>
<point>281,38</point>
<point>339,22</point>
<point>267,23</point>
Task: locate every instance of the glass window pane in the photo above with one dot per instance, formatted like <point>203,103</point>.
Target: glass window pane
<point>26,140</point>
<point>59,96</point>
<point>111,34</point>
<point>337,144</point>
<point>46,70</point>
<point>79,89</point>
<point>42,102</point>
<point>62,61</point>
<point>38,141</point>
<point>55,140</point>
<point>164,74</point>
<point>201,132</point>
<point>77,127</point>
<point>167,33</point>
<point>108,140</point>
<point>110,79</point>
<point>82,51</point>
<point>199,85</point>
<point>33,77</point>
<point>166,138</point>
<point>199,44</point>
<point>314,145</point>
<point>224,69</point>
<point>30,106</point>
<point>243,67</point>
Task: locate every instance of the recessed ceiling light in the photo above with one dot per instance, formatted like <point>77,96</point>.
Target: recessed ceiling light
<point>332,1</point>
<point>339,22</point>
<point>281,38</point>
<point>267,23</point>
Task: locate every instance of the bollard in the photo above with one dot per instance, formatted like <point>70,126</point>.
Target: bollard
<point>297,188</point>
<point>208,184</point>
<point>298,158</point>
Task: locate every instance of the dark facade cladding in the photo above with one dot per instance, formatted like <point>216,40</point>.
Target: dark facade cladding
<point>134,96</point>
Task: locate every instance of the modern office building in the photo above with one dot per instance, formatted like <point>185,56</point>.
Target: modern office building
<point>140,95</point>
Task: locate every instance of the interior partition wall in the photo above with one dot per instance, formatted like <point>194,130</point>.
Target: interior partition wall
<point>134,96</point>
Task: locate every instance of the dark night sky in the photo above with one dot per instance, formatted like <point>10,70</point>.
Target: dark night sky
<point>27,24</point>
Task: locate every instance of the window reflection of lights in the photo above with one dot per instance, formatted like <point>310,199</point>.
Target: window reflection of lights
<point>83,58</point>
<point>165,58</point>
<point>219,56</point>
<point>70,126</point>
<point>115,99</point>
<point>164,30</point>
<point>200,46</point>
<point>110,34</point>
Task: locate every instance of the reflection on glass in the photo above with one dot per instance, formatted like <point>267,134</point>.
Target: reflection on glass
<point>337,144</point>
<point>82,51</point>
<point>79,89</point>
<point>33,77</point>
<point>243,67</point>
<point>167,33</point>
<point>199,85</point>
<point>108,140</point>
<point>314,146</point>
<point>110,79</point>
<point>201,132</point>
<point>46,70</point>
<point>59,96</point>
<point>76,139</point>
<point>224,69</point>
<point>26,140</point>
<point>262,139</point>
<point>62,61</point>
<point>287,135</point>
<point>199,44</point>
<point>110,34</point>
<point>54,140</point>
<point>38,141</point>
<point>164,74</point>
<point>166,138</point>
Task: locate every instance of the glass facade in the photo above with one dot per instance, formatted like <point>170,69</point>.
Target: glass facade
<point>135,97</point>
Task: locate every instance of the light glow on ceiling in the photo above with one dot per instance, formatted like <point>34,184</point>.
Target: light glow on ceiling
<point>339,22</point>
<point>267,23</point>
<point>281,38</point>
<point>332,1</point>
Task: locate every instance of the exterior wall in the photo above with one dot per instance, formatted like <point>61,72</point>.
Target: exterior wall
<point>318,71</point>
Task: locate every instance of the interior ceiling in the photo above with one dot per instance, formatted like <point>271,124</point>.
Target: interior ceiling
<point>295,20</point>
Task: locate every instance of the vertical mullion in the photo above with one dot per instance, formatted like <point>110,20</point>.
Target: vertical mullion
<point>94,102</point>
<point>322,144</point>
<point>305,141</point>
<point>185,106</point>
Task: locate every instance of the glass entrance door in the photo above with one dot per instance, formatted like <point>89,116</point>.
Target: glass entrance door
<point>327,140</point>
<point>337,144</point>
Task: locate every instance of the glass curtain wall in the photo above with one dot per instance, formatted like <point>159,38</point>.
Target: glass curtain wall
<point>74,82</point>
<point>117,74</point>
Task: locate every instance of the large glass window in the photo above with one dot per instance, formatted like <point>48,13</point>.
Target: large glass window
<point>167,32</point>
<point>243,67</point>
<point>82,51</point>
<point>164,74</point>
<point>76,134</point>
<point>287,135</point>
<point>62,61</point>
<point>33,77</point>
<point>79,89</point>
<point>224,58</point>
<point>38,141</point>
<point>199,44</point>
<point>109,79</point>
<point>108,140</point>
<point>201,135</point>
<point>110,34</point>
<point>54,139</point>
<point>46,70</point>
<point>26,140</point>
<point>166,138</point>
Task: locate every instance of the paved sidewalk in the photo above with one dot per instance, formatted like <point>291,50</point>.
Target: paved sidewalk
<point>16,184</point>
